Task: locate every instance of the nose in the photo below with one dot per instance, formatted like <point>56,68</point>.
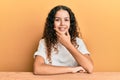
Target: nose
<point>62,23</point>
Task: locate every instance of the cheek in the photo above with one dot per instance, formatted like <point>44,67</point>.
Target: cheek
<point>56,24</point>
<point>68,25</point>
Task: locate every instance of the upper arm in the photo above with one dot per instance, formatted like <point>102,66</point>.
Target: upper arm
<point>82,47</point>
<point>37,62</point>
<point>88,57</point>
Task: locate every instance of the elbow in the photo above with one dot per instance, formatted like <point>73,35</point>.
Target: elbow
<point>38,70</point>
<point>35,72</point>
<point>90,70</point>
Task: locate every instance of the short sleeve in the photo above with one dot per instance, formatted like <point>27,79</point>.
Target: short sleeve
<point>81,46</point>
<point>41,49</point>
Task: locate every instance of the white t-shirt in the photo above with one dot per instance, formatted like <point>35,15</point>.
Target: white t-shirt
<point>63,57</point>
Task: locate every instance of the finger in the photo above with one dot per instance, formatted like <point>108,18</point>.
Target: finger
<point>82,70</point>
<point>56,29</point>
<point>58,35</point>
<point>68,33</point>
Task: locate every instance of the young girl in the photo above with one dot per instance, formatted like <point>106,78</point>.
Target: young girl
<point>61,50</point>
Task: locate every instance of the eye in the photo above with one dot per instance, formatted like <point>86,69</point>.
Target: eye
<point>57,19</point>
<point>67,20</point>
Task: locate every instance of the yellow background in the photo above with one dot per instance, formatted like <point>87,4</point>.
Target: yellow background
<point>22,24</point>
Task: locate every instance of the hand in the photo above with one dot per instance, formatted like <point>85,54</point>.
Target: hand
<point>63,38</point>
<point>77,69</point>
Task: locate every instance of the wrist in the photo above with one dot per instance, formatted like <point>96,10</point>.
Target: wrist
<point>70,69</point>
<point>69,45</point>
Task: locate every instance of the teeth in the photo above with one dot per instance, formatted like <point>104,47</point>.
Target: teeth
<point>61,29</point>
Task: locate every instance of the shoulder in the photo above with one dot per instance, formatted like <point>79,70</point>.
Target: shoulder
<point>42,41</point>
<point>78,40</point>
<point>82,47</point>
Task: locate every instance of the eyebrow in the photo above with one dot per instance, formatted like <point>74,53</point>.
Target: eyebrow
<point>59,17</point>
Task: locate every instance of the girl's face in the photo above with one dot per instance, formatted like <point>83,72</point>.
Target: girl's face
<point>62,21</point>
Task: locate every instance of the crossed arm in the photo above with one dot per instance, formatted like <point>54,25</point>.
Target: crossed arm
<point>84,60</point>
<point>41,68</point>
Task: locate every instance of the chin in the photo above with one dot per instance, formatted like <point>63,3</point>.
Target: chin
<point>63,32</point>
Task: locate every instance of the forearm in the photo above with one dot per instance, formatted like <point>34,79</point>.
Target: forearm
<point>85,62</point>
<point>49,69</point>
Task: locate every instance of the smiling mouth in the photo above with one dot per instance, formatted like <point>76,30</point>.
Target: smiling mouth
<point>62,29</point>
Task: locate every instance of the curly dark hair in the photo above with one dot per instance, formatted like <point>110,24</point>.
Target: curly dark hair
<point>49,33</point>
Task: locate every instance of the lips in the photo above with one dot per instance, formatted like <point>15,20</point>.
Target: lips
<point>61,29</point>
